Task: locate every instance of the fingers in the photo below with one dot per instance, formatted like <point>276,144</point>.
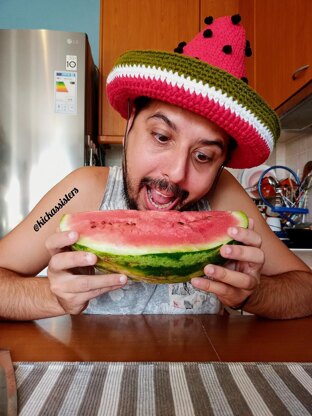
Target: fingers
<point>75,291</point>
<point>228,294</point>
<point>71,259</point>
<point>240,275</point>
<point>251,255</point>
<point>246,236</point>
<point>76,299</point>
<point>58,241</point>
<point>72,290</point>
<point>233,278</point>
<point>74,284</point>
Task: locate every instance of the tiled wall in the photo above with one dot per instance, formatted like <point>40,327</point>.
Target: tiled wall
<point>295,151</point>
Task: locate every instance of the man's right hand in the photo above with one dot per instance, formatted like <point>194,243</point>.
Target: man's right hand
<point>71,274</point>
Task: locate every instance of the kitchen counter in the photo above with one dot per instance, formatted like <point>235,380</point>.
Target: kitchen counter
<point>305,254</point>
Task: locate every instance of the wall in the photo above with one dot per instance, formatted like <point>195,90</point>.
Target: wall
<point>70,15</point>
<point>296,151</point>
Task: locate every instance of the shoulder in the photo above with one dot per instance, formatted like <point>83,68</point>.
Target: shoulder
<point>87,184</point>
<point>81,190</point>
<point>229,194</point>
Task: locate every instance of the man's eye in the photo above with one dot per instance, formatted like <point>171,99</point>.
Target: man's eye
<point>202,157</point>
<point>161,138</point>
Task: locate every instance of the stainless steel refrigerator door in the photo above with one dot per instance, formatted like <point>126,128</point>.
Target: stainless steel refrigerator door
<point>42,132</point>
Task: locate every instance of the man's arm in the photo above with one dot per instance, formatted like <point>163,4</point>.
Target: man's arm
<point>26,298</point>
<point>23,252</point>
<point>284,296</point>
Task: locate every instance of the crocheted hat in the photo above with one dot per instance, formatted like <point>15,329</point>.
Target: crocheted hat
<point>206,76</point>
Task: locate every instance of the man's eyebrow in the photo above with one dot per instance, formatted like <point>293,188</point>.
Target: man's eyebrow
<point>216,142</point>
<point>204,142</point>
<point>164,118</point>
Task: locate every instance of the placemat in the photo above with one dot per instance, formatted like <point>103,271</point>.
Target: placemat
<point>163,389</point>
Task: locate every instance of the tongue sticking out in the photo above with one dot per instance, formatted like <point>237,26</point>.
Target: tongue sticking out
<point>160,200</point>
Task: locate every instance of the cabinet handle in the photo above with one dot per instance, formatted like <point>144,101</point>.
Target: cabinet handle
<point>302,68</point>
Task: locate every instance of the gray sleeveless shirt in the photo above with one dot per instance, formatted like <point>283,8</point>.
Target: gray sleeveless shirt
<point>143,298</point>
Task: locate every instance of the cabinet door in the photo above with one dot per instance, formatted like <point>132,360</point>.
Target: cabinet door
<point>138,24</point>
<point>283,31</point>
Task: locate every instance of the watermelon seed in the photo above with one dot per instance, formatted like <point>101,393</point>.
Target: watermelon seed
<point>92,224</point>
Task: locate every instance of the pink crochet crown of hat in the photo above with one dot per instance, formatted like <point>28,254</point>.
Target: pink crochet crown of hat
<point>206,76</point>
<point>223,44</point>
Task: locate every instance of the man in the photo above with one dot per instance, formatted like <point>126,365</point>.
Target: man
<point>198,117</point>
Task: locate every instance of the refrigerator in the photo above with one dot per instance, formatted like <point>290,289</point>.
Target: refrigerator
<point>48,115</point>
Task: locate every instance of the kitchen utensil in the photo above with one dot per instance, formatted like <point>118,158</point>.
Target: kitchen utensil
<point>274,223</point>
<point>249,180</point>
<point>283,206</point>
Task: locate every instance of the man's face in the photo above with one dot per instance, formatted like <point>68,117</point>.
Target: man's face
<point>172,157</point>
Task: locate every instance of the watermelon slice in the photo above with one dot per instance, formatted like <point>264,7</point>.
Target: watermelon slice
<point>154,246</point>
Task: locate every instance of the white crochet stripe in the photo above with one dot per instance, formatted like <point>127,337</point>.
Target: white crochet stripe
<point>174,79</point>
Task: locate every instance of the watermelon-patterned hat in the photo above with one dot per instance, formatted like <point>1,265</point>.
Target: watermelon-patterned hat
<point>206,76</point>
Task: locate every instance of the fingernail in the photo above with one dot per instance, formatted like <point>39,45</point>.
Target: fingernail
<point>233,231</point>
<point>90,258</point>
<point>122,279</point>
<point>209,270</point>
<point>72,235</point>
<point>227,250</point>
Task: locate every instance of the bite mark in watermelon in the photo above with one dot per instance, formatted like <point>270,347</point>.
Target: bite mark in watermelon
<point>154,246</point>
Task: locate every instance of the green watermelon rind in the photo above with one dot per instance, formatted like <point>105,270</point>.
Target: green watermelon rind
<point>151,264</point>
<point>158,268</point>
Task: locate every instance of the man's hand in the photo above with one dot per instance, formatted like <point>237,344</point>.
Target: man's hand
<point>240,276</point>
<point>71,274</point>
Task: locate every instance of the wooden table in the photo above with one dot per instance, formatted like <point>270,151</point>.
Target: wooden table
<point>177,365</point>
<point>158,338</point>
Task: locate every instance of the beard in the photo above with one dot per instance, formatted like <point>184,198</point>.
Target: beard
<point>162,184</point>
<point>128,189</point>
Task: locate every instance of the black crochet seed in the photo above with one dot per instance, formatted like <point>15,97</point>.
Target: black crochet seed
<point>244,79</point>
<point>181,44</point>
<point>208,20</point>
<point>247,43</point>
<point>178,49</point>
<point>207,33</point>
<point>227,49</point>
<point>248,52</point>
<point>236,19</point>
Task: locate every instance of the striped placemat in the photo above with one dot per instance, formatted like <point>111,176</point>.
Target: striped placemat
<point>164,389</point>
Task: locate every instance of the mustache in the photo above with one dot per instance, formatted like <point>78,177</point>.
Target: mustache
<point>163,184</point>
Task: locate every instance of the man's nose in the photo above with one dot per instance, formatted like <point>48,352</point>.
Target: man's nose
<point>176,169</point>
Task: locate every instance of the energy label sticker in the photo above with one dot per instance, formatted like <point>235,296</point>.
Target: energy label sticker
<point>65,97</point>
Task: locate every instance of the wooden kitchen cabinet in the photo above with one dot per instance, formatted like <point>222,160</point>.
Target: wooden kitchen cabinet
<point>146,24</point>
<point>280,33</point>
<point>283,45</point>
<point>138,24</point>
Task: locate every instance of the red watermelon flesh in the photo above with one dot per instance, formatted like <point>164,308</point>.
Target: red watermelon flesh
<point>154,246</point>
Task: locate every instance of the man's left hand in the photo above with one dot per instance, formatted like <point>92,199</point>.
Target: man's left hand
<point>240,275</point>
